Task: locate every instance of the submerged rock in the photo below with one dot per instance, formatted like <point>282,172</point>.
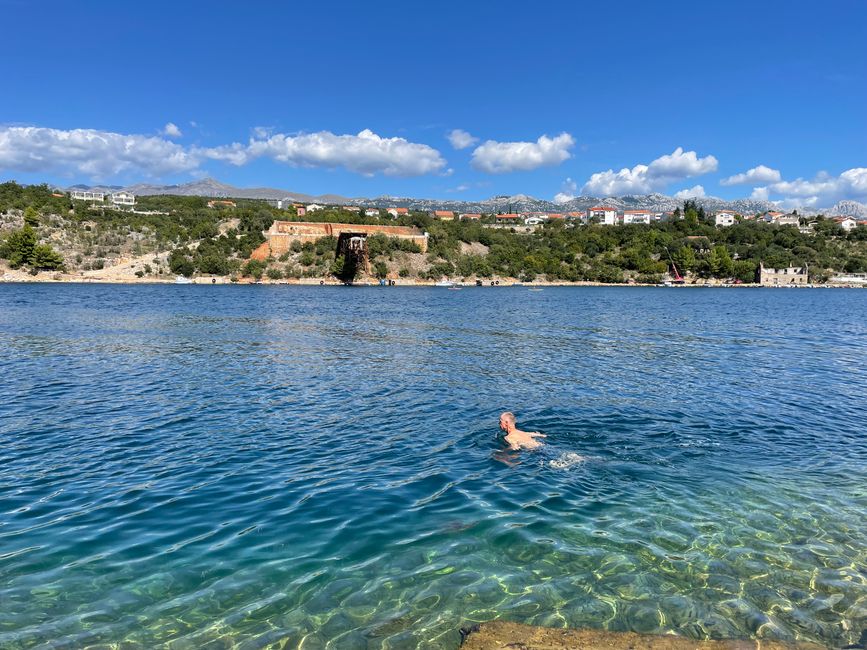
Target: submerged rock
<point>502,634</point>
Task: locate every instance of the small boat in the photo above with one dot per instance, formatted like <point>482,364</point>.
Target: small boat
<point>179,279</point>
<point>454,288</point>
<point>444,283</point>
<point>535,289</point>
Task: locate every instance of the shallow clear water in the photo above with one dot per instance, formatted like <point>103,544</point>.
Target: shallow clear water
<point>217,466</point>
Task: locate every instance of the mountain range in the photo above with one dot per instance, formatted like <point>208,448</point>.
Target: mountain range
<point>213,188</point>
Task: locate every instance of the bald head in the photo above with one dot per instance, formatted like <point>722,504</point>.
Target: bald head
<point>507,421</point>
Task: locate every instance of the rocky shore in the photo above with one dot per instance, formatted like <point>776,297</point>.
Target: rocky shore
<point>498,635</point>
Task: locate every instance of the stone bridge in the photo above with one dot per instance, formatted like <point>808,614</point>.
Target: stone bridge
<point>281,234</point>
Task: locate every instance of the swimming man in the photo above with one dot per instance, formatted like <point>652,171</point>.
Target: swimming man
<point>516,438</point>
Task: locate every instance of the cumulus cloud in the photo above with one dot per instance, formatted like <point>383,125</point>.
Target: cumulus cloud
<point>760,194</point>
<point>96,154</point>
<point>502,157</point>
<point>102,154</point>
<point>171,130</point>
<point>460,139</point>
<point>567,191</point>
<point>365,153</point>
<point>824,190</point>
<point>760,174</point>
<point>643,179</point>
<point>695,192</point>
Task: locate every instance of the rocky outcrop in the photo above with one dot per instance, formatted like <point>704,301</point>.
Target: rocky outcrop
<point>498,635</point>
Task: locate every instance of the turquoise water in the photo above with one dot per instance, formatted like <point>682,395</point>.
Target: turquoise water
<point>216,467</point>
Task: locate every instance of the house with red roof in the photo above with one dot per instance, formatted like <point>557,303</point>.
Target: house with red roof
<point>443,215</point>
<point>602,214</point>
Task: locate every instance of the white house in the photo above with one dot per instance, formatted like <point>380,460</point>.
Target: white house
<point>371,212</point>
<point>788,220</point>
<point>846,223</point>
<point>123,198</point>
<point>86,195</point>
<point>313,207</point>
<point>723,219</point>
<point>533,221</point>
<point>602,214</point>
<point>636,216</point>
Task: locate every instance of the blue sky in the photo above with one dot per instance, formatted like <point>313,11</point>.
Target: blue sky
<point>276,94</point>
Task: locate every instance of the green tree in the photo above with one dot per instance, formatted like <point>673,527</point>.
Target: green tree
<point>31,217</point>
<point>684,259</point>
<point>18,247</point>
<point>45,258</point>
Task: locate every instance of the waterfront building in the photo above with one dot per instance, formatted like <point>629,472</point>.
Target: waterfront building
<point>87,195</point>
<point>791,276</point>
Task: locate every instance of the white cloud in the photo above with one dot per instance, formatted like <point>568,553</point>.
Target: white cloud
<point>502,157</point>
<point>760,174</point>
<point>695,192</point>
<point>365,153</point>
<point>759,194</point>
<point>460,139</point>
<point>822,191</point>
<point>643,179</point>
<point>171,130</point>
<point>96,154</point>
<point>567,191</point>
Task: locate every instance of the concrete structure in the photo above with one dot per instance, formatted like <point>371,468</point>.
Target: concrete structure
<point>398,212</point>
<point>602,214</point>
<point>351,208</point>
<point>280,236</point>
<point>443,215</point>
<point>859,279</point>
<point>792,276</point>
<point>371,212</point>
<point>470,216</point>
<point>636,216</point>
<point>87,195</point>
<point>313,207</point>
<point>122,198</point>
<point>221,203</point>
<point>724,219</point>
<point>788,220</point>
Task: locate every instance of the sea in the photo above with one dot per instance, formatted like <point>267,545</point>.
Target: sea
<point>321,467</point>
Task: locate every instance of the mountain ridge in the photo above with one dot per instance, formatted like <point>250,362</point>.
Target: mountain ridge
<point>212,188</point>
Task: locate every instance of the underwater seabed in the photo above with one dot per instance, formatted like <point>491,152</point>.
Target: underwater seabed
<point>190,469</point>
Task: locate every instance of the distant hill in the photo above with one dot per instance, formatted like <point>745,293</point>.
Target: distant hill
<point>516,203</point>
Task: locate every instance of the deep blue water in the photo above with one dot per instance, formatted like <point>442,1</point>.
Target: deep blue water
<point>193,466</point>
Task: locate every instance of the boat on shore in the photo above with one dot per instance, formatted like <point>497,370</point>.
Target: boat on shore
<point>182,280</point>
<point>444,283</point>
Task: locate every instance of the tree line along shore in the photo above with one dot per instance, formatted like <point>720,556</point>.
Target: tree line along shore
<point>43,231</point>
